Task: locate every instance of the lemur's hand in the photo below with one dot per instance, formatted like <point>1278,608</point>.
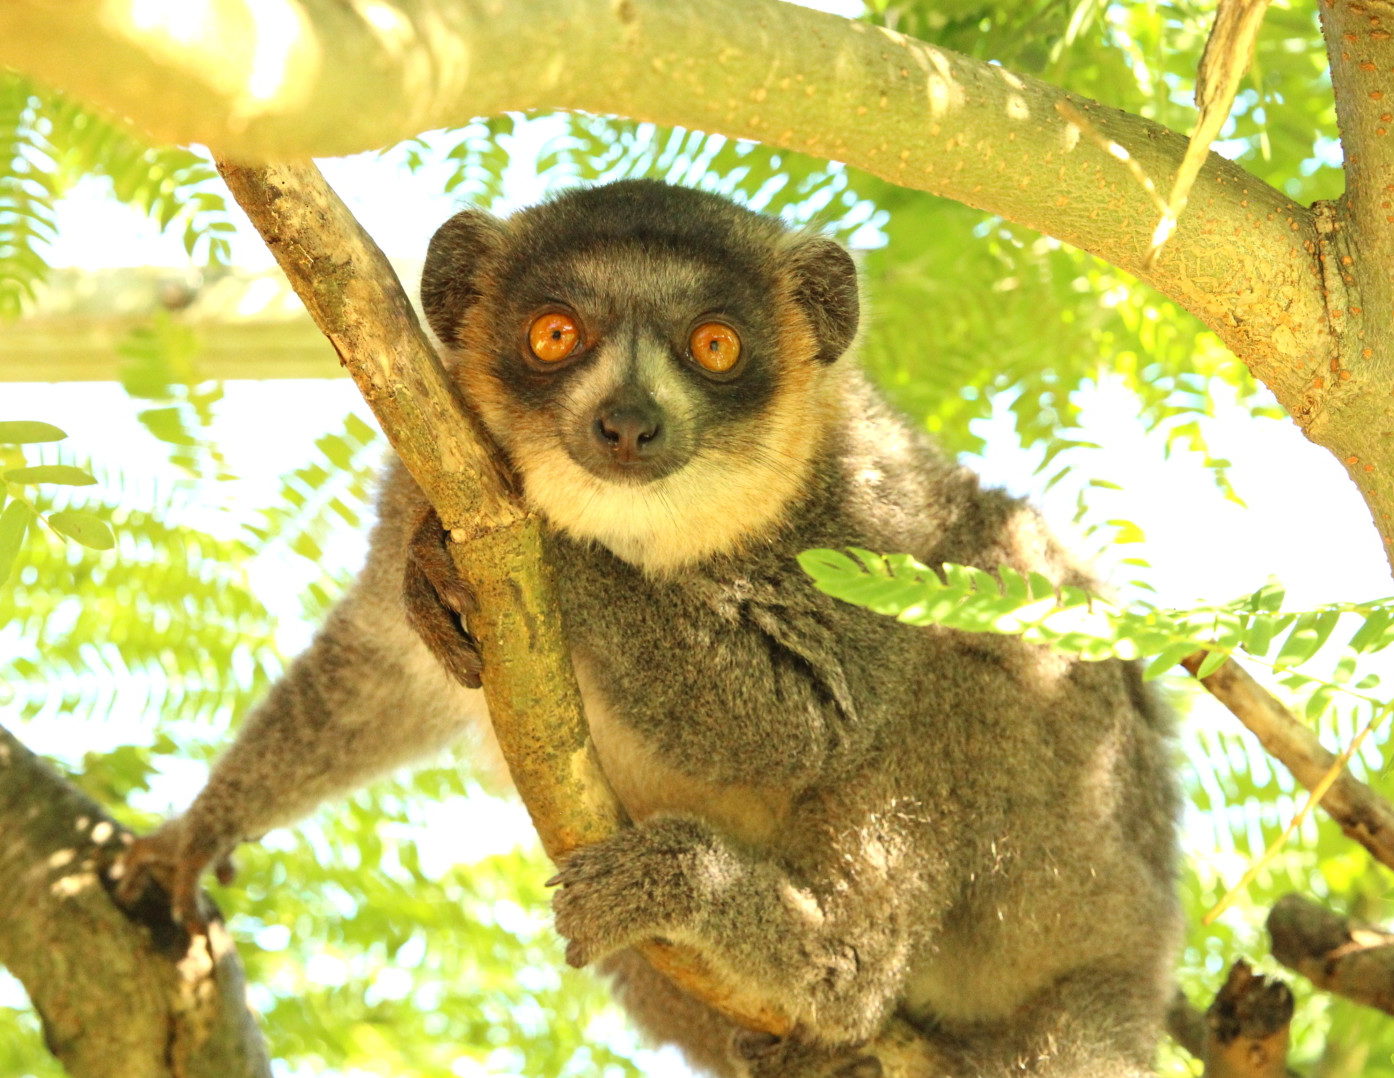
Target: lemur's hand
<point>174,858</point>
<point>638,884</point>
<point>438,602</point>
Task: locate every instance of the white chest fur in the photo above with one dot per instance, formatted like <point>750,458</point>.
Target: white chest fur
<point>647,784</point>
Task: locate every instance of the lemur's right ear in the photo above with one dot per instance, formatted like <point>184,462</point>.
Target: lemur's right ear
<point>825,285</point>
<point>450,278</point>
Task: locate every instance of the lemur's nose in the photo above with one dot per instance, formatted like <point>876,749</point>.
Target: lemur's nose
<point>631,430</point>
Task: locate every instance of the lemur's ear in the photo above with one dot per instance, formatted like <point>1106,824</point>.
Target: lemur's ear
<point>826,287</point>
<point>450,279</point>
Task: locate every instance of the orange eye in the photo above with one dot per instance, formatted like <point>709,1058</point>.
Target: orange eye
<point>553,336</point>
<point>715,346</point>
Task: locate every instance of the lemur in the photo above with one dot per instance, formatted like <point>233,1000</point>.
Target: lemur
<point>853,816</point>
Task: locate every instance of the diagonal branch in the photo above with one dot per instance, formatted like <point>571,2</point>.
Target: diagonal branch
<point>328,78</point>
<point>117,999</point>
<point>1362,814</point>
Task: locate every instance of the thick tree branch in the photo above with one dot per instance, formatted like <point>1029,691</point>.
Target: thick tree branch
<point>118,999</point>
<point>1352,414</point>
<point>356,299</point>
<point>1334,953</point>
<point>1360,44</point>
<point>331,78</point>
<point>1362,814</point>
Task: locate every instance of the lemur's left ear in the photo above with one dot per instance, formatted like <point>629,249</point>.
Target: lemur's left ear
<point>450,279</point>
<point>826,287</point>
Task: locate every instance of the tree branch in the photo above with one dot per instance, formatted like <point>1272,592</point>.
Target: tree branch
<point>118,999</point>
<point>1361,813</point>
<point>1351,415</point>
<point>327,79</point>
<point>1247,1027</point>
<point>1334,953</point>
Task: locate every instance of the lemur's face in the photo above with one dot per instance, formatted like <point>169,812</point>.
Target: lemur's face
<point>647,358</point>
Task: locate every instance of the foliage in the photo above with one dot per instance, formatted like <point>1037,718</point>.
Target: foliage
<point>48,143</point>
<point>22,509</point>
<point>1071,620</point>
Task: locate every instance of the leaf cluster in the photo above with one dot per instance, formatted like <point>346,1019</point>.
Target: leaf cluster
<point>1070,619</point>
<point>49,143</point>
<point>22,508</point>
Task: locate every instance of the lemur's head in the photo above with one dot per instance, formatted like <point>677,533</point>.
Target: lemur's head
<point>657,362</point>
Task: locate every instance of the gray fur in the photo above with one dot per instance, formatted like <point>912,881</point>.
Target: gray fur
<point>852,816</point>
<point>1019,804</point>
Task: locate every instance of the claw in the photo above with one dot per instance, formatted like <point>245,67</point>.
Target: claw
<point>172,865</point>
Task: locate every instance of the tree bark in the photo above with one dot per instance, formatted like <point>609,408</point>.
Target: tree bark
<point>1247,1027</point>
<point>1335,953</point>
<point>120,994</point>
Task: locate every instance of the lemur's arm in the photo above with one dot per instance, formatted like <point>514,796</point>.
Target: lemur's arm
<point>366,696</point>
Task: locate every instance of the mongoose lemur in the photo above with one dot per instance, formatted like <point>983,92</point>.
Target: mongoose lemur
<point>850,815</point>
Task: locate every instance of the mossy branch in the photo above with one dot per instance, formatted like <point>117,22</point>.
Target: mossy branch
<point>121,994</point>
<point>328,79</point>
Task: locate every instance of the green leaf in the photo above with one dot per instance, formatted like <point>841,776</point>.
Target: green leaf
<point>1261,633</point>
<point>1166,660</point>
<point>1318,701</point>
<point>1014,585</point>
<point>86,528</point>
<point>14,522</point>
<point>22,431</point>
<point>51,473</point>
<point>1371,634</point>
<point>1306,638</point>
<point>827,565</point>
<point>1041,587</point>
<point>1213,661</point>
<point>1268,598</point>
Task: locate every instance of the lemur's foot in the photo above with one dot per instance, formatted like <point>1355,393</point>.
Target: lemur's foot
<point>439,602</point>
<point>174,861</point>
